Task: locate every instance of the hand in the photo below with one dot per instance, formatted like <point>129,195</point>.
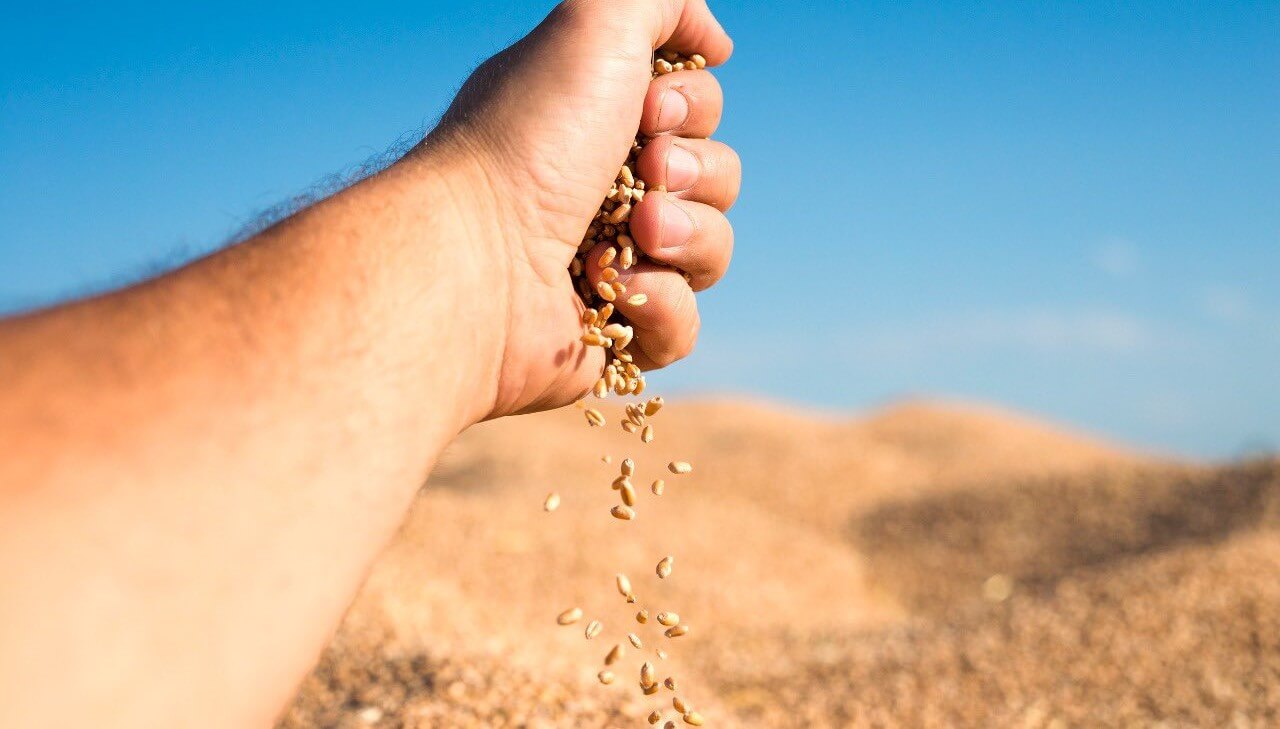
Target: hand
<point>544,127</point>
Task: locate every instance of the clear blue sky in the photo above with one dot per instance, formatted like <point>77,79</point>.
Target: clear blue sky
<point>1071,209</point>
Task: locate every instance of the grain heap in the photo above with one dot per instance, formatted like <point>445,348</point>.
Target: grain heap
<point>621,376</point>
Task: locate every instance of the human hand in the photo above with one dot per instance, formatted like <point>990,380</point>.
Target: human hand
<point>541,130</point>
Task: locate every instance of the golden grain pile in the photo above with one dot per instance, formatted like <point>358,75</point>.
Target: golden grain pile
<point>610,231</point>
<point>841,567</point>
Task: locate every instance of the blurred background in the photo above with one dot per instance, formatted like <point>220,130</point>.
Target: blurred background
<point>1070,209</point>
<point>952,211</point>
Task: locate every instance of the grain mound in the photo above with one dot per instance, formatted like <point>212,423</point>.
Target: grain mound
<point>924,566</point>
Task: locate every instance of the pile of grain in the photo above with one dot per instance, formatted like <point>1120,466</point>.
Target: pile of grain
<point>843,570</point>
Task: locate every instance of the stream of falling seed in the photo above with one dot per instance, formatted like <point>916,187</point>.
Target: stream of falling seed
<point>621,376</point>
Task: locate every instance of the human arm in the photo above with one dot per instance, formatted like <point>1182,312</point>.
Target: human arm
<point>200,469</point>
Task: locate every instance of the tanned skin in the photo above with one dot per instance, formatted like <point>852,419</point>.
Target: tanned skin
<point>199,470</point>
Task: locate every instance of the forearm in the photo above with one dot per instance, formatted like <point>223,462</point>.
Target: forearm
<point>297,386</point>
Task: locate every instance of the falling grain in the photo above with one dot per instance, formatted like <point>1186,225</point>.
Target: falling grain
<point>647,675</point>
<point>615,654</point>
<point>609,232</point>
<point>664,567</point>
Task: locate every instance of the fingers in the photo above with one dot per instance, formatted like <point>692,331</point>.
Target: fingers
<point>666,324</point>
<point>700,170</point>
<point>684,26</point>
<point>689,27</point>
<point>690,236</point>
<point>683,103</point>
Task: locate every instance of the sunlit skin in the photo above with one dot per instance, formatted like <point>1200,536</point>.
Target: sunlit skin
<point>200,469</point>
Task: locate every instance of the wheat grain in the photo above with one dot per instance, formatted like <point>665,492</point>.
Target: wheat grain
<point>615,654</point>
<point>570,616</point>
<point>664,567</point>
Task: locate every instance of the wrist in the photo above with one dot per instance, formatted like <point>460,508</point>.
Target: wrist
<point>459,263</point>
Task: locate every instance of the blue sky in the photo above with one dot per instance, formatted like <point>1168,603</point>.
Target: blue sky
<point>1070,209</point>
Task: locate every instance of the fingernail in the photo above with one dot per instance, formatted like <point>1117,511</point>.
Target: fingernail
<point>682,169</point>
<point>673,109</point>
<point>677,225</point>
